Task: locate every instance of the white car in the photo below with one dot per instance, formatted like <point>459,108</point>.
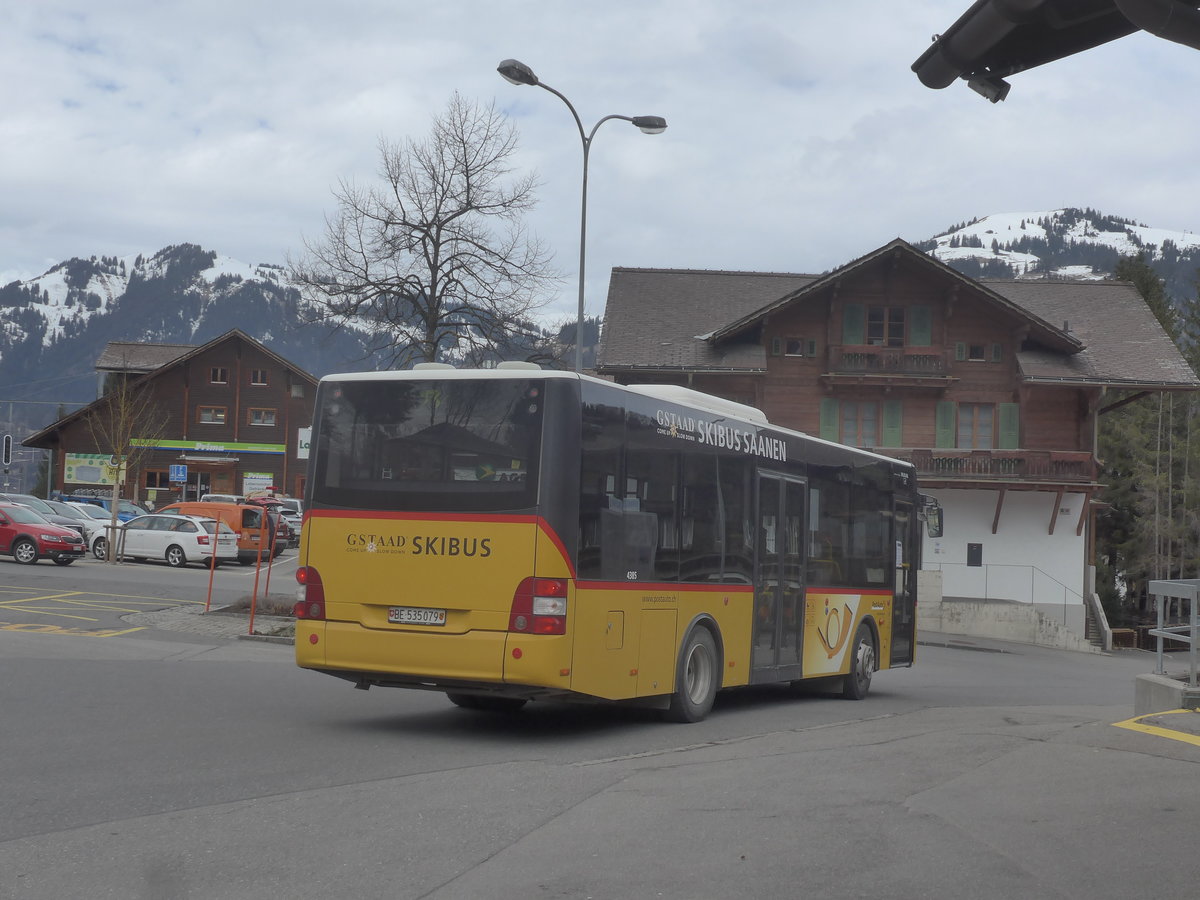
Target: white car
<point>177,539</point>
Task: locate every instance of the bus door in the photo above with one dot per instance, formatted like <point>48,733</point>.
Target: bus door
<point>779,574</point>
<point>904,603</point>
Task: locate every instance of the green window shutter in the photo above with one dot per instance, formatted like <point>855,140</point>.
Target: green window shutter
<point>1010,426</point>
<point>829,419</point>
<point>852,324</point>
<point>776,346</point>
<point>997,352</point>
<point>893,424</point>
<point>946,414</point>
<point>920,327</point>
<point>960,352</point>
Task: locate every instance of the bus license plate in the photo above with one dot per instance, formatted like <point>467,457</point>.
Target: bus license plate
<point>413,615</point>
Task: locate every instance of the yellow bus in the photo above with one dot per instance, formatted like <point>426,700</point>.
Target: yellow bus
<point>514,534</point>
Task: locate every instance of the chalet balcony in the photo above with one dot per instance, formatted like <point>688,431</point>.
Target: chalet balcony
<point>914,367</point>
<point>1012,466</point>
<point>886,361</point>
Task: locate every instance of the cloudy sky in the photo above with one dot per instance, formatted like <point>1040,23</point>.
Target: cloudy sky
<point>798,137</point>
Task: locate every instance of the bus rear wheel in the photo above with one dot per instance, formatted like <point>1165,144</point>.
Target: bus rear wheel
<point>862,665</point>
<point>697,677</point>
<point>487,704</point>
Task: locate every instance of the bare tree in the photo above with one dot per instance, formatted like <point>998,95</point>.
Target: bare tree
<point>436,259</point>
<point>127,423</point>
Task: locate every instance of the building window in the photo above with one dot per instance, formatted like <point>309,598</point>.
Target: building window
<point>261,417</point>
<point>885,326</point>
<point>211,415</point>
<point>976,426</point>
<point>975,352</point>
<point>795,346</point>
<point>258,377</point>
<point>157,479</point>
<point>218,375</point>
<point>297,392</point>
<point>860,423</point>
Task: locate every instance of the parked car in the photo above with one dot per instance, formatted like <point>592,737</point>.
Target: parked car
<point>90,525</point>
<point>292,510</point>
<point>222,498</point>
<point>126,509</point>
<point>43,509</point>
<point>100,516</point>
<point>177,539</point>
<point>286,530</point>
<point>253,525</point>
<point>29,537</point>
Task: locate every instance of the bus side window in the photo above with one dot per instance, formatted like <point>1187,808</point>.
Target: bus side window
<point>735,475</point>
<point>700,520</point>
<point>829,529</point>
<point>652,514</point>
<point>599,503</point>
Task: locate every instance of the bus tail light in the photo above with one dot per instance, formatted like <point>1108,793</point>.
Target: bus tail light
<point>310,597</point>
<point>539,607</point>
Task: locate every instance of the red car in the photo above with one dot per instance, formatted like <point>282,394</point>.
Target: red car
<point>29,537</point>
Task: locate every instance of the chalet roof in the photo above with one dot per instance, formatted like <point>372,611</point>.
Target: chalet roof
<point>42,438</point>
<point>1090,332</point>
<point>1124,344</point>
<point>897,249</point>
<point>132,356</point>
<point>660,318</point>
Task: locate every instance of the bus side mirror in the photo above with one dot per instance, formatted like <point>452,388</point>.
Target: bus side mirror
<point>933,522</point>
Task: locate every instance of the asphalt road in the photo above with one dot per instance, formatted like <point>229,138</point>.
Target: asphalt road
<point>162,763</point>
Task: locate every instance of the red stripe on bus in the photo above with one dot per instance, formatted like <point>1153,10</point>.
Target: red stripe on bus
<point>418,516</point>
<point>662,586</point>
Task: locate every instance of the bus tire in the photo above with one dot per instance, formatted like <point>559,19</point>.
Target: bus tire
<point>487,704</point>
<point>697,676</point>
<point>862,665</point>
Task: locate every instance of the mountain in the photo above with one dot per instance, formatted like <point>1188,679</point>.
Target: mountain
<point>1069,244</point>
<point>54,327</point>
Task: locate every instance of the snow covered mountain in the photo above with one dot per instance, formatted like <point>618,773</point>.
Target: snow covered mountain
<point>54,327</point>
<point>1066,243</point>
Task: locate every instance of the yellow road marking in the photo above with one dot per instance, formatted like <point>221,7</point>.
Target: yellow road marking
<point>1136,724</point>
<point>78,602</point>
<point>30,628</point>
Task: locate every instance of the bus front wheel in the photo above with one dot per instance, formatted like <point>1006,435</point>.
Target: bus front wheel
<point>488,704</point>
<point>862,666</point>
<point>696,678</point>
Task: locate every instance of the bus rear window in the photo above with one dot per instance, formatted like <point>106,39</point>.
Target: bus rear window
<point>453,445</point>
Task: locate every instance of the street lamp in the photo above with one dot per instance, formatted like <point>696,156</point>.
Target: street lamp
<point>516,72</point>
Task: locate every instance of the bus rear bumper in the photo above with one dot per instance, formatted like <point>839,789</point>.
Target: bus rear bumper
<point>430,660</point>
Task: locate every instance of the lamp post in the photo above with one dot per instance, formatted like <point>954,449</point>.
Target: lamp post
<point>518,73</point>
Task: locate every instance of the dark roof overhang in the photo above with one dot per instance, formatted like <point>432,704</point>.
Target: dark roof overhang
<point>997,38</point>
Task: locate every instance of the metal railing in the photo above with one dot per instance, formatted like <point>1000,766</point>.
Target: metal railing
<point>1043,588</point>
<point>1055,465</point>
<point>886,361</point>
<point>1187,589</point>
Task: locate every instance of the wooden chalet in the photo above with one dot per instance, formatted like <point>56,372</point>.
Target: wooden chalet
<point>991,388</point>
<point>228,418</point>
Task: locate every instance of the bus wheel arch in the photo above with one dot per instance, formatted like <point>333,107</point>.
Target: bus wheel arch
<point>698,671</point>
<point>864,661</point>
